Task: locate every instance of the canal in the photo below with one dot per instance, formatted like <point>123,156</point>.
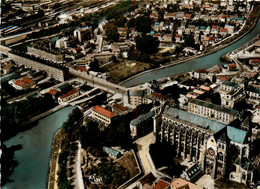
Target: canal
<point>33,158</point>
<point>200,63</point>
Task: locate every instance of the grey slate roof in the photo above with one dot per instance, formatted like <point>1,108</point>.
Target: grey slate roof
<point>235,135</point>
<point>231,84</point>
<point>142,118</point>
<point>215,107</point>
<point>197,120</point>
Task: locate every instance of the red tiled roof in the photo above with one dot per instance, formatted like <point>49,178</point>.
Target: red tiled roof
<point>19,82</point>
<point>178,35</point>
<point>104,111</point>
<point>223,30</point>
<point>52,92</point>
<point>148,179</point>
<point>71,92</point>
<point>161,185</point>
<point>232,65</point>
<point>157,34</point>
<point>27,80</point>
<point>201,71</point>
<point>223,78</point>
<point>255,60</point>
<point>223,16</point>
<point>158,95</point>
<point>215,27</point>
<point>82,69</point>
<point>119,107</point>
<point>78,49</point>
<point>187,15</point>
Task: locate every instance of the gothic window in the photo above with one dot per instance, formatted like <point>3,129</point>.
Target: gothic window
<point>244,176</point>
<point>220,156</point>
<point>249,176</point>
<point>234,168</point>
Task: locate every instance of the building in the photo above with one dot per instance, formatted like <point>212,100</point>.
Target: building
<point>253,93</point>
<point>58,73</point>
<point>83,34</point>
<point>118,109</point>
<point>23,84</point>
<point>230,94</point>
<point>142,125</point>
<point>200,74</point>
<point>68,96</point>
<point>202,140</point>
<point>137,97</point>
<point>102,115</point>
<point>54,56</point>
<point>212,111</point>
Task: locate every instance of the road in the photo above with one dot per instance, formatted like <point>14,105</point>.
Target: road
<point>77,167</point>
<point>143,150</point>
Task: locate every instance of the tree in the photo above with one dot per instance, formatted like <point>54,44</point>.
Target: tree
<point>112,32</point>
<point>147,44</point>
<point>143,24</point>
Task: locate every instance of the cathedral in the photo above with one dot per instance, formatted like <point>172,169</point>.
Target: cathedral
<point>208,143</point>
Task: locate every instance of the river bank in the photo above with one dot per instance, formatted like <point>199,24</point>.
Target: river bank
<point>32,122</point>
<point>53,164</point>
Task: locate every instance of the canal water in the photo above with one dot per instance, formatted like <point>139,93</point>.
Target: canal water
<point>200,63</point>
<point>33,158</point>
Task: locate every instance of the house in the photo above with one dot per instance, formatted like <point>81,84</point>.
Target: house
<point>223,31</point>
<point>22,84</point>
<point>68,96</point>
<point>200,74</point>
<point>221,79</point>
<point>232,67</point>
<point>102,115</point>
<point>254,62</point>
<point>179,39</point>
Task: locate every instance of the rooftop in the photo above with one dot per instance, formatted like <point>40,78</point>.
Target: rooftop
<point>231,84</point>
<point>19,82</point>
<point>161,184</point>
<point>193,119</point>
<point>119,107</point>
<point>104,111</point>
<point>142,118</point>
<point>71,92</point>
